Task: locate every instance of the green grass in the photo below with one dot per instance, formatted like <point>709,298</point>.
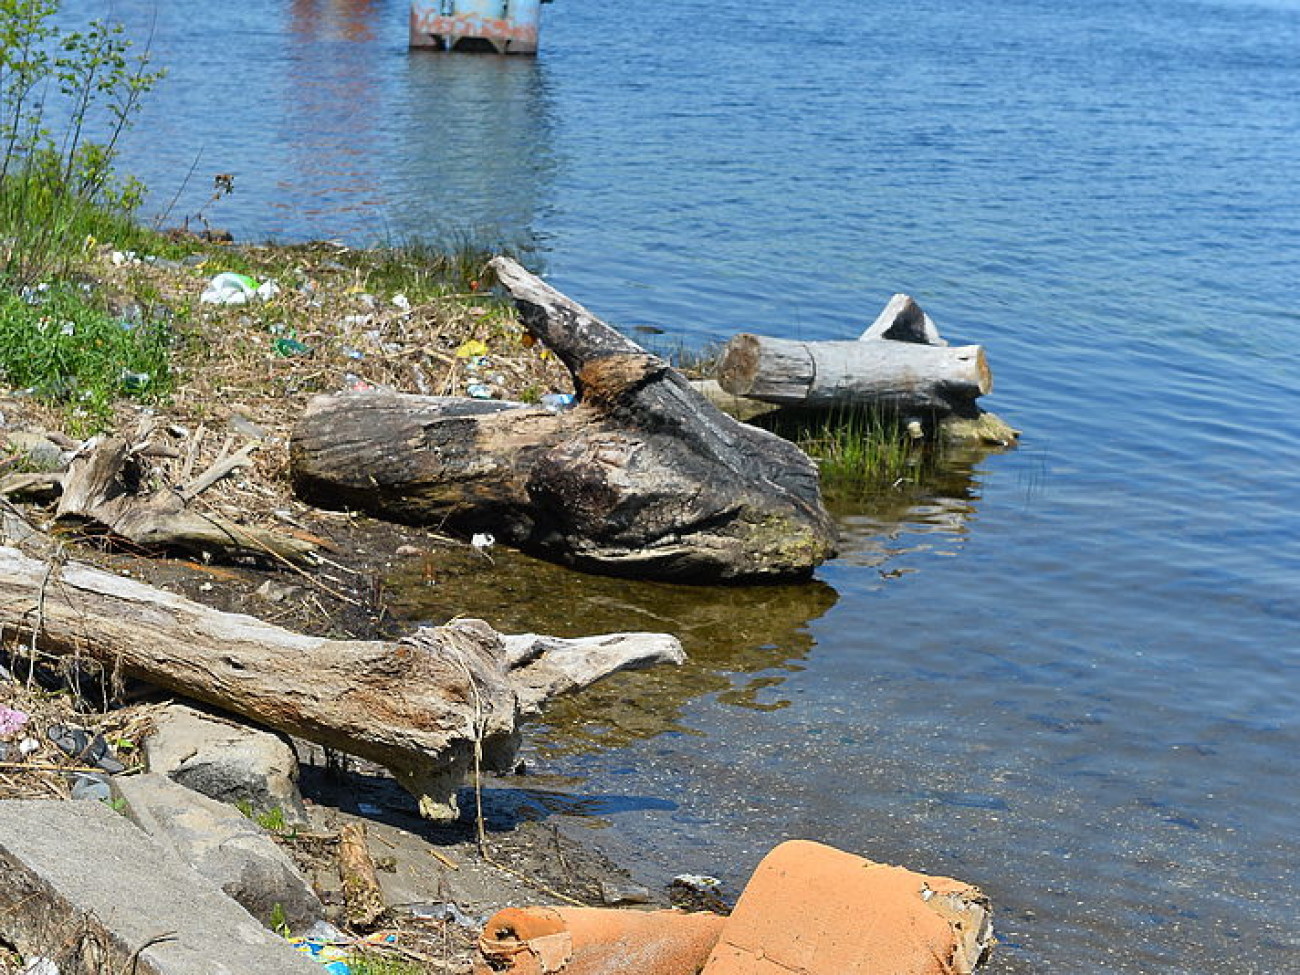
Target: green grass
<point>857,451</point>
<point>60,345</point>
<point>370,964</point>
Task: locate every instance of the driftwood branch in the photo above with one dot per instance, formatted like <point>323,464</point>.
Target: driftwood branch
<point>416,706</point>
<point>645,477</point>
<point>102,488</point>
<point>362,895</point>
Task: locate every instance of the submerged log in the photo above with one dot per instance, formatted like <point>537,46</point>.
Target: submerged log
<point>900,363</point>
<point>422,706</point>
<point>644,477</point>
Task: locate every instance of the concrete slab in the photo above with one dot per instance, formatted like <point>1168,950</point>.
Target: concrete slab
<point>223,845</point>
<point>82,886</point>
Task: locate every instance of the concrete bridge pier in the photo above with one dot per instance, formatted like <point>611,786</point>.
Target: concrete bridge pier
<point>491,26</point>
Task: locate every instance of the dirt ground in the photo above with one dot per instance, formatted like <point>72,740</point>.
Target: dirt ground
<point>240,384</point>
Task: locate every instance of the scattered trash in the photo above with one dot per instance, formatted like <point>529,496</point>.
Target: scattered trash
<point>807,908</point>
<point>356,384</point>
<point>287,346</point>
<point>353,353</point>
<point>447,911</point>
<point>267,290</point>
<point>331,947</point>
<point>91,786</point>
<point>402,302</point>
<point>332,955</point>
<point>369,809</point>
<point>229,288</point>
<point>558,402</point>
<point>245,427</point>
<point>614,894</point>
<point>471,349</point>
<point>39,965</point>
<point>136,382</point>
<point>28,746</point>
<point>482,541</point>
<point>479,391</point>
<point>12,721</point>
<point>78,743</point>
<point>408,551</point>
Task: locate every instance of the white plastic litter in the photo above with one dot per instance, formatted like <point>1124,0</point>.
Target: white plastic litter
<point>229,288</point>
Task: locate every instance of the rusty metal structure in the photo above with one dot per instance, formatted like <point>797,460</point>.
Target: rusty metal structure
<point>493,26</point>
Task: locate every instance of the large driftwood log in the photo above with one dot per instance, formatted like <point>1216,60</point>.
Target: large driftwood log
<point>644,477</point>
<point>899,363</point>
<point>419,706</point>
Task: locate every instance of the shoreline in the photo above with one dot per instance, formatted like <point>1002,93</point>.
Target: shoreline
<point>243,373</point>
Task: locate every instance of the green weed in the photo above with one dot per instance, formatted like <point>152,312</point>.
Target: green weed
<point>59,345</point>
<point>857,451</point>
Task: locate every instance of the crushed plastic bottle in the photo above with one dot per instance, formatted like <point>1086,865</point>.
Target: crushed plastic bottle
<point>136,382</point>
<point>287,346</point>
<point>558,402</point>
<point>479,391</point>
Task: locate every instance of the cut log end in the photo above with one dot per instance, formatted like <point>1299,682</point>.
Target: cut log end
<point>739,365</point>
<point>985,373</point>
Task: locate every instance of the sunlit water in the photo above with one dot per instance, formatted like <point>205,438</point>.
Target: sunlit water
<point>1070,673</point>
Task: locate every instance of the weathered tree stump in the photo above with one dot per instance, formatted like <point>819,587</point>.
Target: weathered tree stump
<point>644,477</point>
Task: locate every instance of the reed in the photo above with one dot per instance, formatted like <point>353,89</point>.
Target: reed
<point>858,451</point>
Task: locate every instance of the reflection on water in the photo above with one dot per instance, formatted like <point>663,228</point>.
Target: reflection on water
<point>333,109</point>
<point>933,512</point>
<point>739,641</point>
<point>475,145</point>
<point>742,642</point>
<point>349,20</point>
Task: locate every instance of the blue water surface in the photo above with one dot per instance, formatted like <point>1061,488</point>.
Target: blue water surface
<point>1076,679</point>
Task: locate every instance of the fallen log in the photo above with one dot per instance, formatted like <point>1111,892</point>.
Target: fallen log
<point>644,477</point>
<point>426,707</point>
<point>900,364</point>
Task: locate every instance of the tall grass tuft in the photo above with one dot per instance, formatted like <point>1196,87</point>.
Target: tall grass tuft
<point>66,98</point>
<point>858,451</point>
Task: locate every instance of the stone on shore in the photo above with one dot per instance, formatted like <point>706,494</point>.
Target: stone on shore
<point>227,761</point>
<point>223,845</point>
<point>85,888</point>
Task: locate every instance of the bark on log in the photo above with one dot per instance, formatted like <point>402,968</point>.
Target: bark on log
<point>415,706</point>
<point>644,477</point>
<point>900,364</point>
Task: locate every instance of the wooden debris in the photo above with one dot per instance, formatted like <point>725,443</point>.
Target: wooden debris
<point>104,487</point>
<point>900,363</point>
<point>645,477</point>
<point>363,897</point>
<point>421,706</point>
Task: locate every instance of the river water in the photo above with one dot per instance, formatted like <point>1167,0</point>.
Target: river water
<point>1069,673</point>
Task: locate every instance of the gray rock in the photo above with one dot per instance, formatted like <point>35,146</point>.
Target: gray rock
<point>223,845</point>
<point>84,888</point>
<point>227,761</point>
<point>39,453</point>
